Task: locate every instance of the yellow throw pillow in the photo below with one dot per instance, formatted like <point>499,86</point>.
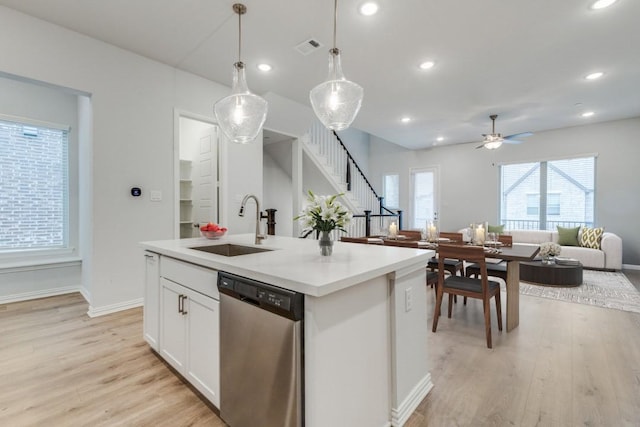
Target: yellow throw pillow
<point>591,237</point>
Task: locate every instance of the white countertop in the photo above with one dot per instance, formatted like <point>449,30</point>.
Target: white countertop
<point>296,264</point>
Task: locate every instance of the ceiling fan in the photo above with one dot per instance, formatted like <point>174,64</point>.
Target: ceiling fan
<point>494,140</point>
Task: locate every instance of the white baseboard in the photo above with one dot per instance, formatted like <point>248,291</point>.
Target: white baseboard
<point>630,267</point>
<point>85,294</point>
<point>399,416</point>
<point>38,294</point>
<point>113,308</point>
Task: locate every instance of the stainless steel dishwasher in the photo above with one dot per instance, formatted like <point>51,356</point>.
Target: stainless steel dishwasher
<point>261,354</point>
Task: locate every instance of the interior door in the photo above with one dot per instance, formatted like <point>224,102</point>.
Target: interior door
<point>424,196</point>
<point>205,180</point>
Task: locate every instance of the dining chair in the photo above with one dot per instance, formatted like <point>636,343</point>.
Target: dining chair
<point>499,269</point>
<point>481,288</point>
<point>410,234</point>
<point>453,266</point>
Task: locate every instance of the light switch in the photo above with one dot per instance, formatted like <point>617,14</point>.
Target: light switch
<point>156,195</point>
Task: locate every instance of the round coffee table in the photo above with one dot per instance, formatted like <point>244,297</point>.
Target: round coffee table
<point>551,274</point>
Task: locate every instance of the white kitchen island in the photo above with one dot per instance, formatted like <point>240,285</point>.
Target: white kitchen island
<point>365,321</point>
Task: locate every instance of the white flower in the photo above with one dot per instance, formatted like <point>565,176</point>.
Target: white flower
<point>323,213</point>
<point>550,249</point>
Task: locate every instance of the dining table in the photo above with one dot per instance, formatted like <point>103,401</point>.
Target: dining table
<point>511,254</point>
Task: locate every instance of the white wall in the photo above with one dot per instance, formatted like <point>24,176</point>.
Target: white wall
<point>38,102</point>
<point>278,187</point>
<point>132,143</point>
<point>470,181</point>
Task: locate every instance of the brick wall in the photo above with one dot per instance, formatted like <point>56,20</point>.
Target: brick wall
<point>33,187</point>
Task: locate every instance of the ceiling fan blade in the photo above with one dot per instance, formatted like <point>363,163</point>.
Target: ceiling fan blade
<point>519,135</point>
<point>512,141</point>
<point>480,146</point>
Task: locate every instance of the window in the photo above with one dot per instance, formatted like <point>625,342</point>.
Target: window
<point>553,204</point>
<point>391,191</point>
<point>34,187</point>
<point>533,204</point>
<point>543,195</point>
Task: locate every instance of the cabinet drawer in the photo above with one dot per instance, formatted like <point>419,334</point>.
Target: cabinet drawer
<point>192,276</point>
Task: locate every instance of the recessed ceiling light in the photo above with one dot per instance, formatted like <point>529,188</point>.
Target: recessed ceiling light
<point>588,114</point>
<point>405,119</point>
<point>440,138</point>
<point>594,76</point>
<point>601,4</point>
<point>264,67</point>
<point>369,8</point>
<point>426,65</point>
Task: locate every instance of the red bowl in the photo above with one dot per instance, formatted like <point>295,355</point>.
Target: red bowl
<point>212,234</point>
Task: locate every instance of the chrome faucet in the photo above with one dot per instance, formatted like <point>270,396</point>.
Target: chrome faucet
<point>259,237</point>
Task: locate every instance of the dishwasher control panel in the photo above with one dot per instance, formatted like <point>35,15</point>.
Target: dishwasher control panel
<point>270,297</point>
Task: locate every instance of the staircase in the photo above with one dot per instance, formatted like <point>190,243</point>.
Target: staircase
<point>331,157</point>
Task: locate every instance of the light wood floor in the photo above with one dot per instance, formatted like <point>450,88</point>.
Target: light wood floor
<point>565,365</point>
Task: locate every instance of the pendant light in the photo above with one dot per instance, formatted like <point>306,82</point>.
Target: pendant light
<point>337,101</point>
<point>241,114</point>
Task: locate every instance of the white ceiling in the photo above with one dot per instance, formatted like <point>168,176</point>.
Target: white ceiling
<point>524,60</point>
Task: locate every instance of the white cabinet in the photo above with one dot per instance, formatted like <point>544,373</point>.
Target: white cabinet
<point>189,325</point>
<point>151,319</point>
<point>203,345</point>
<point>173,344</point>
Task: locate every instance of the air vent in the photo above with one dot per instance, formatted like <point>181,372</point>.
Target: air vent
<point>308,46</point>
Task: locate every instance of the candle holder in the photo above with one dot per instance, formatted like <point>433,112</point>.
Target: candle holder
<point>433,233</point>
<point>478,233</point>
<point>393,231</point>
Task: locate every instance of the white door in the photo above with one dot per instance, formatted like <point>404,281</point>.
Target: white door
<point>424,196</point>
<point>205,179</point>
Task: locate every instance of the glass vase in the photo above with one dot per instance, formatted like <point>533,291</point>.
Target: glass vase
<point>326,243</point>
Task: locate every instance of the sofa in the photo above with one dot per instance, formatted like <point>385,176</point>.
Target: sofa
<point>608,257</point>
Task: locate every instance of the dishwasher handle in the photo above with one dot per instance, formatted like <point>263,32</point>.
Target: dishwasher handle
<point>249,300</point>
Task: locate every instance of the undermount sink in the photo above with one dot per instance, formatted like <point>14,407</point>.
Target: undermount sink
<point>229,249</point>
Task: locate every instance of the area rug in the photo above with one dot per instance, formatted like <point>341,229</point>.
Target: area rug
<point>599,288</point>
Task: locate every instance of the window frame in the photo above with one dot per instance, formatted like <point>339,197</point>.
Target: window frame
<point>543,207</point>
<point>384,190</point>
<point>33,256</point>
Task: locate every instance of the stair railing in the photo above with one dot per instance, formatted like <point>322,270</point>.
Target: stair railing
<point>329,146</point>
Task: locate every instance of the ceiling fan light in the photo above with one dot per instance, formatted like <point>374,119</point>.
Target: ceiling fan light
<point>242,114</point>
<point>493,144</point>
<point>336,102</point>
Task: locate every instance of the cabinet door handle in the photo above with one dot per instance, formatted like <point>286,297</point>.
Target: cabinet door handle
<point>184,297</point>
<point>180,303</point>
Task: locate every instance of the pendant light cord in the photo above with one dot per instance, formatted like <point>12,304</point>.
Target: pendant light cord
<point>239,36</point>
<point>335,21</point>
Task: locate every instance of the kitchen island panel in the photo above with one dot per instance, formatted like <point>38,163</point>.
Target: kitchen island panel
<point>347,357</point>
